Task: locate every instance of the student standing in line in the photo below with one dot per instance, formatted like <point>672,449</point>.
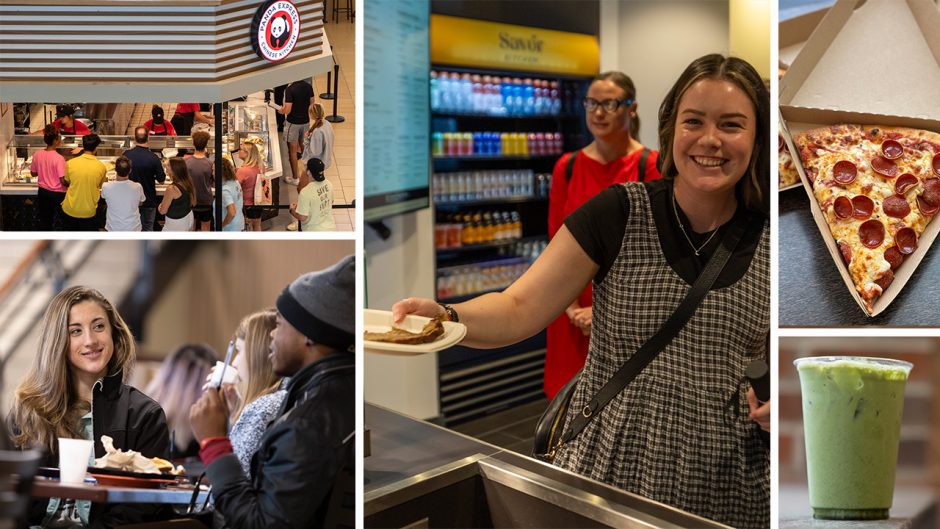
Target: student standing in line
<point>146,170</point>
<point>178,199</point>
<point>49,168</point>
<point>123,197</point>
<point>314,207</point>
<point>84,176</point>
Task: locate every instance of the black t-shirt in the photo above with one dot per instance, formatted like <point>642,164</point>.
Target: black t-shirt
<point>600,224</point>
<point>146,170</point>
<point>300,95</point>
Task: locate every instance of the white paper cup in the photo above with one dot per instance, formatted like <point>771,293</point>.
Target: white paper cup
<point>73,459</point>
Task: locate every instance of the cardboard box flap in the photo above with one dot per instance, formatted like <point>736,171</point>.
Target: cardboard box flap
<point>872,56</point>
<point>794,33</point>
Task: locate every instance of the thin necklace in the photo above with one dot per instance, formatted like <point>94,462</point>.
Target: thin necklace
<point>675,209</point>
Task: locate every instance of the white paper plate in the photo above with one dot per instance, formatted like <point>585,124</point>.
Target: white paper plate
<point>381,321</point>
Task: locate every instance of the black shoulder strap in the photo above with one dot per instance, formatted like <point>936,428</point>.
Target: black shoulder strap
<point>648,351</point>
<point>569,167</point>
<point>641,168</point>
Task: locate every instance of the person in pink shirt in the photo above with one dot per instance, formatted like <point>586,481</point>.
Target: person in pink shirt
<point>247,175</point>
<point>49,166</point>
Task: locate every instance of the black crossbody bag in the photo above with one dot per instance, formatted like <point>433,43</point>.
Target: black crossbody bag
<point>549,437</point>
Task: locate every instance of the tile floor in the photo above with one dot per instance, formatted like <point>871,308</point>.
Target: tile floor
<point>342,174</point>
<point>511,429</point>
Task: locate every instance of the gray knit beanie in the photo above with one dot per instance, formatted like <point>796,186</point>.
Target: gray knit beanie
<point>321,305</point>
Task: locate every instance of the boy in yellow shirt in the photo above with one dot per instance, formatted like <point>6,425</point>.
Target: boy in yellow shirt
<point>84,176</point>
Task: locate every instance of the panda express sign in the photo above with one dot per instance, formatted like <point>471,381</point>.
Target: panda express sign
<point>275,30</point>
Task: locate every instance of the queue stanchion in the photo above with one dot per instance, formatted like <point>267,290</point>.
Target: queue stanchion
<point>335,118</point>
<point>327,94</point>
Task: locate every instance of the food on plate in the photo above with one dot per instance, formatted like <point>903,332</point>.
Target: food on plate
<point>130,460</point>
<point>167,468</point>
<point>433,330</point>
<point>788,175</point>
<point>878,188</point>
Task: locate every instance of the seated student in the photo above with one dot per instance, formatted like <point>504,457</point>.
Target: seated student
<point>314,207</point>
<point>75,389</point>
<point>123,197</point>
<point>307,445</point>
<point>157,125</point>
<point>84,176</point>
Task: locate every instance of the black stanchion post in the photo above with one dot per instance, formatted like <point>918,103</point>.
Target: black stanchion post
<point>328,94</point>
<point>335,118</point>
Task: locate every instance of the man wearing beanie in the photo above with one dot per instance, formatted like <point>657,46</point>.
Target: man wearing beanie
<point>311,440</point>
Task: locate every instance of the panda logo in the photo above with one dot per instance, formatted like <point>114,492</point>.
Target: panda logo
<point>280,32</point>
<point>275,29</point>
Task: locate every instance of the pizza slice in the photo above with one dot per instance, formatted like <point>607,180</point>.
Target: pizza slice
<point>878,188</point>
<point>788,175</point>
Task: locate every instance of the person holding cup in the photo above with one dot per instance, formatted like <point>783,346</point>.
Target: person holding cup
<point>685,430</point>
<point>75,390</point>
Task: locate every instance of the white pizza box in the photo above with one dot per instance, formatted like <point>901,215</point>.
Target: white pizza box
<point>870,62</point>
<point>793,34</point>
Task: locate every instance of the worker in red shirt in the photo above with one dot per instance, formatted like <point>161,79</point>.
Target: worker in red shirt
<point>188,114</point>
<point>157,125</point>
<point>66,124</point>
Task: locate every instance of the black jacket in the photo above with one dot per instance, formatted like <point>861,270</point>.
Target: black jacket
<point>301,453</point>
<point>135,422</point>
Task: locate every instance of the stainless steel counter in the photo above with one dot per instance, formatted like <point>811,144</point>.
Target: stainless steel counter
<point>422,475</point>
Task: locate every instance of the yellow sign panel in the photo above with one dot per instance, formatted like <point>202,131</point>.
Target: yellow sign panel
<point>476,43</point>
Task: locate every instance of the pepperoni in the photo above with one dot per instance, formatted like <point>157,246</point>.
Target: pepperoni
<point>885,280</point>
<point>892,149</point>
<point>894,257</point>
<point>862,207</point>
<point>926,208</point>
<point>843,207</point>
<point>844,172</point>
<point>846,252</point>
<point>904,182</point>
<point>906,240</point>
<point>932,191</point>
<point>884,167</point>
<point>871,233</point>
<point>936,164</point>
<point>896,206</point>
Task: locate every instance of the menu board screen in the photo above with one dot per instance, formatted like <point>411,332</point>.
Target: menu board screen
<point>397,108</point>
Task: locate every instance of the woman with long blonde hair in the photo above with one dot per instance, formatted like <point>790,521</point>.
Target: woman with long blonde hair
<point>247,175</point>
<point>318,143</point>
<point>76,389</point>
<point>178,199</point>
<point>258,389</point>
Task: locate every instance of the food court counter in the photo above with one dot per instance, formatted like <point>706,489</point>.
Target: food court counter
<point>422,475</point>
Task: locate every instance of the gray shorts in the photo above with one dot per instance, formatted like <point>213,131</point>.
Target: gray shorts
<point>294,133</point>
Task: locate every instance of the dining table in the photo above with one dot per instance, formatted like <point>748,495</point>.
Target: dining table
<point>44,487</point>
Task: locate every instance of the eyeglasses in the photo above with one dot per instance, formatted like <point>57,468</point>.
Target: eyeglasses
<point>609,105</point>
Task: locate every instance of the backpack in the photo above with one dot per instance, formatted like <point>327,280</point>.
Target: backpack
<point>263,190</point>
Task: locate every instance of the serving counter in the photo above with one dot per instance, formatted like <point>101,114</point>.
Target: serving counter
<point>423,476</point>
<point>245,122</point>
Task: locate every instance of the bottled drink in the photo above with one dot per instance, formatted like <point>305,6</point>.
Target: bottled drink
<point>435,92</point>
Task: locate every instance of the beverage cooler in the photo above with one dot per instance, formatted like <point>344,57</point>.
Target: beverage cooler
<point>495,138</point>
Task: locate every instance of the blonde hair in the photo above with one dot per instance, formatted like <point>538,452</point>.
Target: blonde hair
<point>315,111</point>
<point>178,385</point>
<point>181,178</point>
<point>255,329</point>
<point>254,157</point>
<point>46,404</point>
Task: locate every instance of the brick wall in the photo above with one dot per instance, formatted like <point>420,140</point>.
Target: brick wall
<point>918,458</point>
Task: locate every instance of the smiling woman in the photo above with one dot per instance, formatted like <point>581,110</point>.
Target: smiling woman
<point>75,389</point>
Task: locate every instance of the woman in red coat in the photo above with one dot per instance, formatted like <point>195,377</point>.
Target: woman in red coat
<point>615,156</point>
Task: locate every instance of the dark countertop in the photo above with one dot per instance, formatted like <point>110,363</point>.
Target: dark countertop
<point>914,508</point>
<point>812,293</point>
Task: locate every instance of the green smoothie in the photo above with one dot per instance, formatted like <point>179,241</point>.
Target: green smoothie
<point>851,421</point>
